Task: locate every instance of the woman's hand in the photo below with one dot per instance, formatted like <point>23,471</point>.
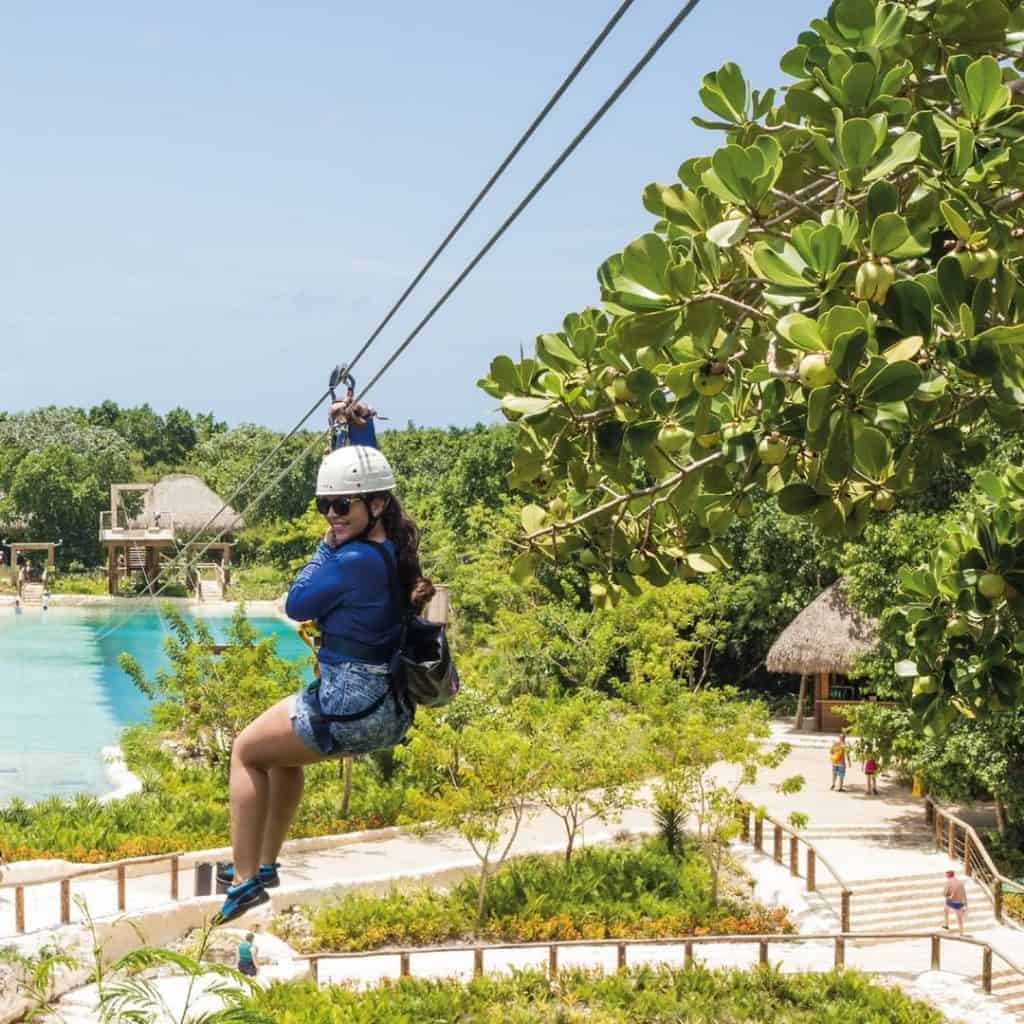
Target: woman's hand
<point>352,412</point>
<point>330,539</point>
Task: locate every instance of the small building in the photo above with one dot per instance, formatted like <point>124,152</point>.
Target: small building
<point>150,524</point>
<point>823,643</point>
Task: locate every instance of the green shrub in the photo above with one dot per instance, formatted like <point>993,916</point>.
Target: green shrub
<point>642,996</point>
<point>625,891</point>
<point>258,583</point>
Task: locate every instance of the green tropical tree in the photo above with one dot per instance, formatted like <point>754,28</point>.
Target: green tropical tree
<point>827,308</point>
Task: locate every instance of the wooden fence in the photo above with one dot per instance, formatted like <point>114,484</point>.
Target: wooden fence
<point>752,830</point>
<point>689,943</point>
<point>117,868</point>
<point>961,842</point>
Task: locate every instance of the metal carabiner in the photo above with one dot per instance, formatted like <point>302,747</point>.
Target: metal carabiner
<point>339,430</point>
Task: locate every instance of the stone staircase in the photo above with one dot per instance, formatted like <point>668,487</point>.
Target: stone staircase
<point>909,903</point>
<point>32,593</point>
<point>1008,988</point>
<point>210,590</point>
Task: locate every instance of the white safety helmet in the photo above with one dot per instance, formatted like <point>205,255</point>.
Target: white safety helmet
<point>354,469</point>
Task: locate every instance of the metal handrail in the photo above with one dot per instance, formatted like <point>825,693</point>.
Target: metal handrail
<point>977,861</point>
<point>838,939</point>
<point>813,856</point>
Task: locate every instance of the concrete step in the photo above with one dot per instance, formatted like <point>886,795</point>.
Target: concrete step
<point>863,899</point>
<point>915,921</point>
<point>897,882</point>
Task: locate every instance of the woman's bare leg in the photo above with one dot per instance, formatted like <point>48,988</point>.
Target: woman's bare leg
<point>263,745</point>
<point>285,793</point>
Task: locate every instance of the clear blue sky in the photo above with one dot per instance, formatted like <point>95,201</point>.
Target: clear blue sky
<point>209,205</point>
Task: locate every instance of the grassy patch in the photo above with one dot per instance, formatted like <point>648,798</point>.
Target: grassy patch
<point>628,890</point>
<point>643,996</point>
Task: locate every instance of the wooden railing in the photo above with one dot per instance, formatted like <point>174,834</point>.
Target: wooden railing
<point>689,943</point>
<point>752,829</point>
<point>118,868</point>
<point>961,842</point>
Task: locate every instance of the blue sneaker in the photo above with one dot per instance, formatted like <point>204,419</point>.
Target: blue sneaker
<point>226,875</point>
<point>241,898</point>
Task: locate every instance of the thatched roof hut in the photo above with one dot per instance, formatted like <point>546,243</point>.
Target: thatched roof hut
<point>193,504</point>
<point>827,637</point>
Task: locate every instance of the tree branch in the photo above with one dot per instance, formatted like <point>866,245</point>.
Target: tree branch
<point>622,499</point>
<point>773,364</point>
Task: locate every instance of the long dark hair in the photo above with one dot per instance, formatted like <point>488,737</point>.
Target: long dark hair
<point>405,535</point>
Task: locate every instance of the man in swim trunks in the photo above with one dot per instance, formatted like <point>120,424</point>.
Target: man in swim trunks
<point>956,900</point>
<point>840,759</point>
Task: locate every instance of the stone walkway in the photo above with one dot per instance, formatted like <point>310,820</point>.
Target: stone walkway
<point>867,838</point>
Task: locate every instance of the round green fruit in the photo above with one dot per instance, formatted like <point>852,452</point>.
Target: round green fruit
<point>649,357</point>
<point>984,264</point>
<point>710,440</point>
<point>708,383</point>
<point>883,501</point>
<point>772,450</point>
<point>815,371</point>
<point>620,390</point>
<point>958,626</point>
<point>992,586</point>
<point>588,558</point>
<point>672,438</point>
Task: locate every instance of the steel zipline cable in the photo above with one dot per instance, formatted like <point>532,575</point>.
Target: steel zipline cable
<point>423,271</point>
<point>599,114</point>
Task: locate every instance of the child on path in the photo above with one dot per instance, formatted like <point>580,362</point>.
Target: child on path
<point>354,707</point>
<point>247,957</point>
<point>871,774</point>
<point>840,759</point>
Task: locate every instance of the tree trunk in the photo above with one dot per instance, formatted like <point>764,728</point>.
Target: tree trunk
<point>800,703</point>
<point>346,793</point>
<point>1000,817</point>
<point>481,898</point>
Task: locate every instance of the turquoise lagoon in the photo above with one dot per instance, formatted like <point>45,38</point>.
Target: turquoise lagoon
<point>65,698</point>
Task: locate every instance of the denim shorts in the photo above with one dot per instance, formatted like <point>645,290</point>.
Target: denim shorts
<point>346,689</point>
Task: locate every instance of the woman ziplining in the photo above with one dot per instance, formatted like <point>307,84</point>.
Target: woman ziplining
<point>359,586</point>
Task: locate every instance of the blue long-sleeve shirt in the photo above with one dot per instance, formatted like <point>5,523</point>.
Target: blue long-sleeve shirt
<point>345,589</point>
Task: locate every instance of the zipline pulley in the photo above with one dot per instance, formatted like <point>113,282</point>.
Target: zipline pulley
<point>338,426</point>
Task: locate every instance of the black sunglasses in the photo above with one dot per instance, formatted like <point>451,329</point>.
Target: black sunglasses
<point>341,506</point>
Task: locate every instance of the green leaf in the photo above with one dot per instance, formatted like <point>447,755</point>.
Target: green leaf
<point>910,307</point>
<point>871,452</point>
<point>839,453</point>
<point>847,353</point>
<point>646,261</point>
<point>957,223</point>
<point>553,351</point>
<point>952,282</point>
<point>782,269</point>
<point>1010,334</point>
<point>526,405</point>
<point>798,499</point>
<point>905,349</point>
<point>888,233</point>
<point>986,93</point>
<point>857,143</point>
<point>729,232</point>
<point>523,567</point>
<point>725,92</point>
<point>533,518</point>
<point>882,198</point>
<point>801,332</point>
<point>905,150</point>
<point>895,382</point>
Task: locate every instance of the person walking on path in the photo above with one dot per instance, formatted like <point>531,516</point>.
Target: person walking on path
<point>840,758</point>
<point>354,707</point>
<point>956,900</point>
<point>247,957</point>
<point>871,775</point>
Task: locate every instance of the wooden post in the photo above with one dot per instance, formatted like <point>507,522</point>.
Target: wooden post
<point>810,870</point>
<point>478,962</point>
<point>967,854</point>
<point>403,964</point>
<point>936,952</point>
<point>689,953</point>
<point>986,970</point>
<point>120,886</point>
<point>745,824</point>
<point>952,840</point>
<point>794,856</point>
<point>777,844</point>
<point>762,953</point>
<point>759,834</point>
<point>800,701</point>
<point>938,831</point>
<point>552,962</point>
<point>621,958</point>
<point>929,812</point>
<point>840,951</point>
<point>65,901</point>
<point>314,970</point>
<point>997,891</point>
<point>174,876</point>
<point>844,911</point>
<point>19,909</point>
